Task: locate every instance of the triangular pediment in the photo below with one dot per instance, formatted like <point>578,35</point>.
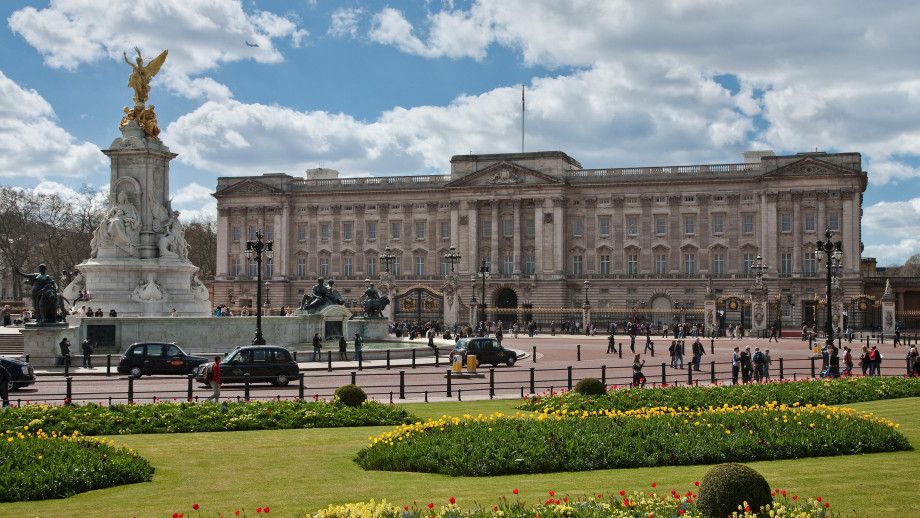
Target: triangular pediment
<point>504,174</point>
<point>249,186</point>
<point>809,166</point>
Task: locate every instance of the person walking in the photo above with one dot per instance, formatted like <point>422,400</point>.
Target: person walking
<point>875,361</point>
<point>672,352</point>
<point>87,353</point>
<point>847,362</point>
<point>834,359</point>
<point>343,349</point>
<point>679,353</point>
<point>213,378</point>
<point>736,366</point>
<point>747,366</point>
<point>317,348</point>
<point>758,365</point>
<point>638,377</point>
<point>766,365</point>
<point>864,360</point>
<point>65,352</point>
<point>773,336</point>
<point>698,352</point>
<point>649,344</point>
<point>4,386</point>
<point>611,344</point>
<point>359,345</point>
<point>911,360</point>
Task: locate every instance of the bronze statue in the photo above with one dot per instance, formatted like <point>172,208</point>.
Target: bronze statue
<point>45,298</point>
<point>141,75</point>
<point>322,295</point>
<point>373,303</point>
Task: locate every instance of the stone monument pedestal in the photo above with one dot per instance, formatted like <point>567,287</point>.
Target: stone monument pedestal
<point>370,329</point>
<point>329,321</point>
<point>40,343</point>
<point>145,287</point>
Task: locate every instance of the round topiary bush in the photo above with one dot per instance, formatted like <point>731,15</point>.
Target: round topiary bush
<point>590,387</point>
<point>727,486</point>
<point>350,395</point>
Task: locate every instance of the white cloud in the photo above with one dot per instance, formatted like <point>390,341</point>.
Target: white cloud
<point>193,193</point>
<point>344,22</point>
<point>891,230</point>
<point>31,142</point>
<point>390,27</point>
<point>893,254</point>
<point>201,35</point>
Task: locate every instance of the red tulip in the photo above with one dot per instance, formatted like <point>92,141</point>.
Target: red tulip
<point>697,483</point>
<point>515,491</point>
<point>175,515</point>
<point>452,500</point>
<point>827,504</point>
<point>818,499</point>
<point>430,505</point>
<point>195,506</point>
<point>552,493</point>
<point>237,512</point>
<point>622,493</point>
<point>259,510</point>
<point>266,510</point>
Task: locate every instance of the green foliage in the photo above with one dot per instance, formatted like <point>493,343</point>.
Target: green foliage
<point>543,443</point>
<point>828,392</point>
<point>92,419</point>
<point>350,395</point>
<point>36,468</point>
<point>590,387</point>
<point>727,487</point>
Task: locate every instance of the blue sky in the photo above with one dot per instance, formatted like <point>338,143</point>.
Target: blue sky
<point>397,88</point>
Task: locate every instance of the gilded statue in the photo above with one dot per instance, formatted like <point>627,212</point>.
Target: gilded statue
<point>142,74</point>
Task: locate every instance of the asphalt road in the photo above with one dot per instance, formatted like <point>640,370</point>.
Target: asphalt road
<point>556,366</point>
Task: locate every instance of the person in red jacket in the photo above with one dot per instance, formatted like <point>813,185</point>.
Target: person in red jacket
<point>213,377</point>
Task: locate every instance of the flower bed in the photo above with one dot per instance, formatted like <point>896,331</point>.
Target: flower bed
<point>617,504</point>
<point>541,442</point>
<point>92,419</point>
<point>36,466</point>
<point>828,392</point>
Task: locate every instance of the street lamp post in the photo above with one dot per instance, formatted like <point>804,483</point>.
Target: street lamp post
<point>484,270</point>
<point>586,284</point>
<point>833,250</point>
<point>452,257</point>
<point>256,249</point>
<point>388,258</point>
<point>268,298</point>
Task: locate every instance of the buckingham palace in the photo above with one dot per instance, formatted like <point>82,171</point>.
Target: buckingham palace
<point>644,238</point>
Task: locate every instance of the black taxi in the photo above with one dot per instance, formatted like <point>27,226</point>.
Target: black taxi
<point>487,351</point>
<point>264,363</point>
<point>157,358</point>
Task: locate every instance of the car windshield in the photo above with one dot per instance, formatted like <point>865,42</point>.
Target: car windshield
<point>462,343</point>
<point>237,356</point>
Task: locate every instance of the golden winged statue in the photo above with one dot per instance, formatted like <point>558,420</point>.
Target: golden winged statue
<point>142,74</point>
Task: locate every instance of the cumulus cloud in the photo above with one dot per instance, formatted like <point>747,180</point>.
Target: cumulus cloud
<point>597,115</point>
<point>31,142</point>
<point>894,227</point>
<point>344,22</point>
<point>201,35</point>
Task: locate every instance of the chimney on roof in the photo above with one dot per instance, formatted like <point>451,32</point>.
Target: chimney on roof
<point>754,156</point>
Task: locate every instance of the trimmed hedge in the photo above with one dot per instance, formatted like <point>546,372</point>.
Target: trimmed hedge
<point>38,466</point>
<point>552,442</point>
<point>828,392</point>
<point>729,487</point>
<point>350,395</point>
<point>92,419</point>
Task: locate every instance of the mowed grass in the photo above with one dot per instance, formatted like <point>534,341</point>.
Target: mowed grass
<point>293,471</point>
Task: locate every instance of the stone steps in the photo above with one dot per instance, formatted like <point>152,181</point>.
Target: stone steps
<point>11,344</point>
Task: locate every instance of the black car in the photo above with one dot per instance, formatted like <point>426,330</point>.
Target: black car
<point>21,373</point>
<point>487,350</point>
<point>157,358</point>
<point>264,363</point>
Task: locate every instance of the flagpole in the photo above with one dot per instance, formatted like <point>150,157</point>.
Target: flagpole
<point>522,117</point>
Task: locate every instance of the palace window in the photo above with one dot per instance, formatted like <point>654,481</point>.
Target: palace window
<point>235,232</point>
<point>253,269</point>
<point>269,268</point>
<point>444,227</point>
<point>346,266</point>
<point>529,266</point>
<point>689,224</point>
<point>419,266</point>
<point>531,227</point>
<point>235,267</point>
<point>485,228</point>
<point>689,263</point>
<point>445,266</point>
<point>833,221</point>
<point>301,267</point>
<point>786,263</point>
<point>661,264</point>
<point>604,224</point>
<point>577,264</point>
<point>507,265</point>
<point>371,266</point>
<point>785,222</point>
<point>348,231</point>
<point>578,227</point>
<point>324,231</point>
<point>809,222</point>
<point>395,230</point>
<point>252,233</point>
<point>420,230</point>
<point>605,264</point>
<point>747,223</point>
<point>809,264</point>
<point>718,223</point>
<point>718,264</point>
<point>508,227</point>
<point>301,231</point>
<point>748,262</point>
<point>371,230</point>
<point>324,266</point>
<point>632,264</point>
<point>270,233</point>
<point>396,267</point>
<point>632,225</point>
<point>661,225</point>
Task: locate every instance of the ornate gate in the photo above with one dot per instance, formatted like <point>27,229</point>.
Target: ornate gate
<point>419,304</point>
<point>733,310</point>
<point>864,314</point>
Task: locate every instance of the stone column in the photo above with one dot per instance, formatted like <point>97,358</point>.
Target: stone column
<point>223,243</point>
<point>770,239</point>
<point>282,243</point>
<point>758,308</point>
<point>455,233</point>
<point>559,236</point>
<point>851,254</point>
<point>451,301</point>
<point>473,216</point>
<point>538,237</point>
<point>797,224</point>
<point>888,310</point>
<point>493,246</point>
<point>516,252</point>
<point>709,309</point>
<point>822,213</point>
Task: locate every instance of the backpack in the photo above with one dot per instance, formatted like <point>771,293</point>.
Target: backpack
<point>758,357</point>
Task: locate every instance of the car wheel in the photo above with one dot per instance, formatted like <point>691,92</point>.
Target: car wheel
<point>10,386</point>
<point>136,372</point>
<point>281,381</point>
<point>510,361</point>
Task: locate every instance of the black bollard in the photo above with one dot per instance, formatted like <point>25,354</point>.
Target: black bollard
<point>402,384</point>
<point>712,346</point>
<point>492,383</point>
<point>620,350</point>
<point>354,378</point>
<point>413,358</point>
<point>329,361</point>
<point>191,380</point>
<point>388,359</point>
<point>812,366</point>
<point>300,386</point>
<point>108,364</point>
<point>533,388</point>
<point>781,373</point>
<point>246,386</point>
<point>604,375</point>
<point>664,375</point>
<point>578,354</point>
<point>448,383</point>
<point>130,390</point>
<point>69,390</point>
<point>569,369</point>
<point>712,372</point>
<point>534,357</point>
<point>690,374</point>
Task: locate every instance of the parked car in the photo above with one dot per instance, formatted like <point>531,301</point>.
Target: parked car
<point>487,350</point>
<point>157,358</point>
<point>264,363</point>
<point>21,372</point>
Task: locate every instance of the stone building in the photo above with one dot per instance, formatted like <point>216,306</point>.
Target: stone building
<point>646,238</point>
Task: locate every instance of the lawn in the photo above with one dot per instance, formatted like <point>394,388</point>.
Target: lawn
<point>293,471</point>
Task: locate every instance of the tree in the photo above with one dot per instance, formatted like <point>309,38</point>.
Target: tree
<point>201,235</point>
<point>910,268</point>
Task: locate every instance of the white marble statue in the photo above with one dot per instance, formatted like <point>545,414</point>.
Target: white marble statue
<point>199,290</point>
<point>148,291</point>
<point>119,228</point>
<point>172,243</point>
<point>77,285</point>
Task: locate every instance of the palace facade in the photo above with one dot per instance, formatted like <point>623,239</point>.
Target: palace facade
<point>645,238</point>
